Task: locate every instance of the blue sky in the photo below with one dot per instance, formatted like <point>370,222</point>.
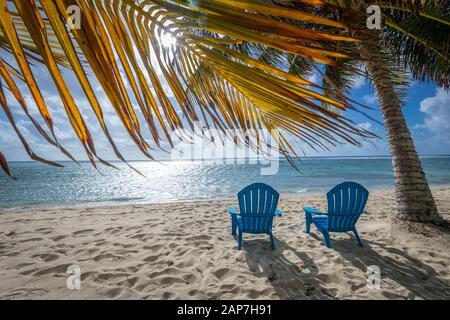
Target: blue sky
<point>427,112</point>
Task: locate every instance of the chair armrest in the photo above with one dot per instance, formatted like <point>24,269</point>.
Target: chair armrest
<point>311,210</point>
<point>278,213</point>
<point>232,211</point>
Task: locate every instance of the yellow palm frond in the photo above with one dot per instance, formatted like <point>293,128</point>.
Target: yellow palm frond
<point>210,79</point>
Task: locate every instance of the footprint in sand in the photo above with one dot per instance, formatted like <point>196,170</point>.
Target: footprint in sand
<point>12,254</point>
<point>114,230</point>
<point>393,296</point>
<point>196,294</point>
<point>47,257</point>
<point>138,236</point>
<point>127,283</point>
<point>170,280</point>
<point>82,232</point>
<point>134,269</point>
<point>23,265</point>
<point>44,230</point>
<point>27,272</point>
<point>154,247</point>
<point>356,287</point>
<point>31,239</point>
<point>125,246</point>
<point>24,292</point>
<point>199,237</point>
<point>113,293</point>
<point>169,295</point>
<point>221,273</point>
<point>132,281</point>
<point>151,258</point>
<point>106,256</point>
<point>87,275</point>
<point>188,262</point>
<point>59,269</point>
<point>58,238</point>
<point>108,276</point>
<point>189,278</point>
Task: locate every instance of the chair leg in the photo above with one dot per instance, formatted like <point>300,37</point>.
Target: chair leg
<point>239,240</point>
<point>233,225</point>
<point>327,239</point>
<point>358,239</point>
<point>308,223</point>
<point>272,242</point>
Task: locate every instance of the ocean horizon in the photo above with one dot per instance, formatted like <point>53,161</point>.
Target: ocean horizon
<point>81,185</point>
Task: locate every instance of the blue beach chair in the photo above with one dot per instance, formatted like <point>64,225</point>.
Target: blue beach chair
<point>257,206</point>
<point>346,202</point>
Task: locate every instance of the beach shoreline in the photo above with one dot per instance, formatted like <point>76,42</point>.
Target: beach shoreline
<point>81,186</point>
<point>113,204</point>
<point>184,250</point>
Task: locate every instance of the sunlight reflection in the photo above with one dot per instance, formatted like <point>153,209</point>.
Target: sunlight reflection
<point>167,40</point>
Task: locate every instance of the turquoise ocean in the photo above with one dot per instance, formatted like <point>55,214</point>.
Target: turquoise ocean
<point>39,185</point>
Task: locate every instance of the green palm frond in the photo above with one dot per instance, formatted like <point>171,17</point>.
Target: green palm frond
<point>419,39</point>
<point>416,34</point>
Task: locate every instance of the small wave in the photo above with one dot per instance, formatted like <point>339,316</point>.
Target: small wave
<point>123,199</point>
<point>302,190</point>
<point>107,200</point>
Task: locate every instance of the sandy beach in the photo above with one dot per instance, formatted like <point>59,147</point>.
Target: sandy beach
<point>184,250</point>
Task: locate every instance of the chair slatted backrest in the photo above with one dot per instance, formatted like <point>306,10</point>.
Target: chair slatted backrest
<point>346,202</point>
<point>257,205</point>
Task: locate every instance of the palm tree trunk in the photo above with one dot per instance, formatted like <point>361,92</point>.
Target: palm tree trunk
<point>413,196</point>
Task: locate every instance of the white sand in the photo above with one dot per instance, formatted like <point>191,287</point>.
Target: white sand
<point>185,251</point>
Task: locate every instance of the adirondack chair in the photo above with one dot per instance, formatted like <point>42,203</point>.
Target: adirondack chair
<point>257,206</point>
<point>346,202</point>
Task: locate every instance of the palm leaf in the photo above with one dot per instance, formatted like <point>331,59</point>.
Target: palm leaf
<point>418,38</point>
<point>4,165</point>
<point>212,70</point>
<point>416,34</point>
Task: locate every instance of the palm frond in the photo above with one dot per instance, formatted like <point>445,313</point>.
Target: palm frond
<point>213,70</point>
<point>416,34</point>
<point>4,165</point>
<point>419,39</point>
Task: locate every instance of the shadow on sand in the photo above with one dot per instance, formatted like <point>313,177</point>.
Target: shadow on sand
<point>399,267</point>
<point>290,280</point>
<point>299,279</point>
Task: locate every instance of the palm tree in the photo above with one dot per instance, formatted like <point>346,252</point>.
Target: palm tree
<point>140,51</point>
<point>416,38</point>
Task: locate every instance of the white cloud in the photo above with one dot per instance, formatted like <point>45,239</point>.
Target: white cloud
<point>8,135</point>
<point>365,125</point>
<point>437,113</point>
<point>370,98</point>
<point>359,82</point>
